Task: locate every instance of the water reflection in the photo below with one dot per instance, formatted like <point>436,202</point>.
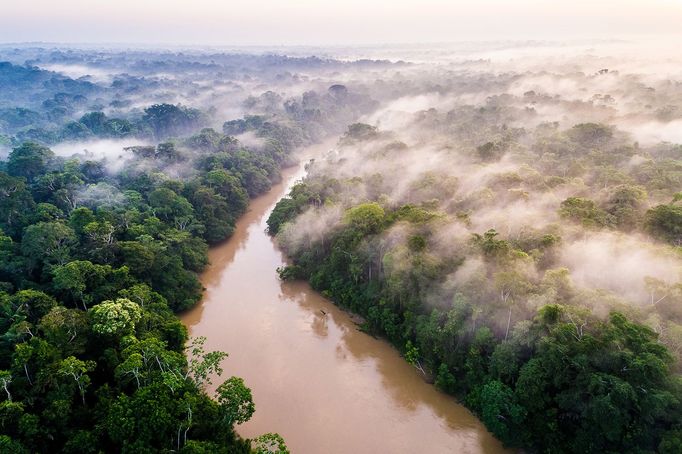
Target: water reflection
<point>316,379</point>
<point>319,325</point>
<point>404,382</point>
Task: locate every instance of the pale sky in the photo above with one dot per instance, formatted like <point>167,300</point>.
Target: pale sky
<point>324,22</point>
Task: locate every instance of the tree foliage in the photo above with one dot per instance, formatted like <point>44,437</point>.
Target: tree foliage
<point>92,358</point>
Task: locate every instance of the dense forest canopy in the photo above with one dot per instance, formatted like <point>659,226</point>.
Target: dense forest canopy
<point>112,190</point>
<point>513,225</point>
<point>516,233</point>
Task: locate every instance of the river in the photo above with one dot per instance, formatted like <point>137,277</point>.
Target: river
<point>317,380</point>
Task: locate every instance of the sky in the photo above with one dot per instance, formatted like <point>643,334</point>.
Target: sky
<point>326,22</point>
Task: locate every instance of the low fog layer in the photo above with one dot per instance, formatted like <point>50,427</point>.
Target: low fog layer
<point>113,153</point>
<point>574,149</point>
<point>491,136</point>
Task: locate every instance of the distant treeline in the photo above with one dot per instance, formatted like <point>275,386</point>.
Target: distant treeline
<point>158,122</point>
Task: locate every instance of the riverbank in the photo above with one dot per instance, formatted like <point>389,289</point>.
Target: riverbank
<point>316,379</point>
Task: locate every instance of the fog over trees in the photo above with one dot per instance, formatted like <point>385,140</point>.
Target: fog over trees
<point>516,233</point>
<point>508,215</point>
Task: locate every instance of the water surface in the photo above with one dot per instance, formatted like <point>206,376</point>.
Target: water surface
<point>316,380</point>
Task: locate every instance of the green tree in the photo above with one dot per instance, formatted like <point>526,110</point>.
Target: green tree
<point>47,243</point>
<point>366,218</point>
<point>115,318</point>
<point>5,380</point>
<point>586,212</point>
<point>85,282</point>
<point>236,402</point>
<point>167,119</point>
<point>665,221</point>
<point>270,443</point>
<point>626,205</point>
<point>500,412</point>
<point>29,160</point>
<point>65,329</point>
<point>16,204</point>
<point>77,370</point>
<point>34,303</point>
<point>202,364</point>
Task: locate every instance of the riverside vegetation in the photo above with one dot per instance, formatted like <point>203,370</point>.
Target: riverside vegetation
<point>512,225</point>
<point>392,232</point>
<point>100,249</point>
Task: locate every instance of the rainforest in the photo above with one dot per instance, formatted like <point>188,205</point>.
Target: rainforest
<point>462,246</point>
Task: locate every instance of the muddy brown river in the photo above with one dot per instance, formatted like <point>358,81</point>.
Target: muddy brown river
<point>316,380</point>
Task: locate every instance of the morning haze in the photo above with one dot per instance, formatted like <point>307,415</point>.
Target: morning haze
<point>340,227</point>
<point>306,22</point>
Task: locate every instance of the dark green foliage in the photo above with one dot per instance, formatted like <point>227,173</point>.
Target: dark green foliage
<point>46,244</point>
<point>286,209</point>
<point>29,161</point>
<point>236,404</point>
<point>501,413</point>
<point>300,198</point>
<point>586,212</point>
<point>665,221</point>
<point>290,272</point>
<point>92,269</point>
<point>166,119</point>
<point>15,205</point>
<point>491,245</point>
<point>564,381</point>
<point>626,205</point>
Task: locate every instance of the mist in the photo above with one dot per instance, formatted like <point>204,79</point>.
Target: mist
<point>111,152</point>
<point>500,144</point>
<point>489,191</point>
